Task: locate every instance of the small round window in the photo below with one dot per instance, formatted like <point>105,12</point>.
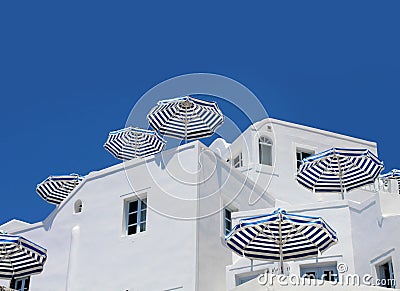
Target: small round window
<point>78,206</point>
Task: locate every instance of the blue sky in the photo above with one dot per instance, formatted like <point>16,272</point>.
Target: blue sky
<point>71,72</point>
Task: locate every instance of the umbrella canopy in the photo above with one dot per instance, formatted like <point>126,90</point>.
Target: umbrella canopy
<point>281,236</point>
<point>20,257</point>
<point>186,117</point>
<point>131,142</point>
<point>393,174</point>
<point>55,188</point>
<point>339,170</point>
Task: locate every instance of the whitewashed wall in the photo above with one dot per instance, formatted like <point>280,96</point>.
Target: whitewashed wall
<point>183,247</point>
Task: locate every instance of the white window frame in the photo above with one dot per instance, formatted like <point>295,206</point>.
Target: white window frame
<point>139,212</point>
<point>231,210</point>
<point>378,266</point>
<point>267,142</point>
<point>319,270</point>
<point>301,151</point>
<point>239,162</point>
<point>246,277</point>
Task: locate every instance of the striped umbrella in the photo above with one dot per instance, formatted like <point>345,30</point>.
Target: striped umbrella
<point>393,174</point>
<point>186,117</point>
<point>132,142</point>
<point>20,257</point>
<point>281,236</point>
<point>55,188</point>
<point>339,170</point>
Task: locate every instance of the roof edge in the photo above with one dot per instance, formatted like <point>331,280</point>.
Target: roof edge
<point>258,124</point>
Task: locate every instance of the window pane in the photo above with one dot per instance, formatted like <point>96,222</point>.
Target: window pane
<point>386,274</point>
<point>300,155</point>
<point>238,161</point>
<point>228,226</point>
<point>328,276</point>
<point>265,140</point>
<point>265,154</point>
<point>310,275</point>
<point>143,215</point>
<point>227,220</point>
<point>227,214</point>
<point>131,229</point>
<point>133,206</point>
<point>27,281</point>
<point>132,218</point>
<point>306,155</point>
<point>136,216</point>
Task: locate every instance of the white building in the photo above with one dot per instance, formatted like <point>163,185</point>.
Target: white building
<point>159,223</point>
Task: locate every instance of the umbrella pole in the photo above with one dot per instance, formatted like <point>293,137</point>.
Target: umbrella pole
<point>185,125</point>
<point>280,245</point>
<point>341,186</point>
<point>135,144</point>
<point>340,178</point>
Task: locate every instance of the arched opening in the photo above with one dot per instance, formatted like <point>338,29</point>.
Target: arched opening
<point>78,206</point>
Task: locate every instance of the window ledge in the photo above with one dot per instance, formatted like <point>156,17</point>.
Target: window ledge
<point>135,236</point>
<point>265,169</point>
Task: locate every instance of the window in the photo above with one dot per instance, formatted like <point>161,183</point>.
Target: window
<point>385,274</point>
<point>386,184</point>
<point>323,271</point>
<point>301,154</point>
<point>21,284</point>
<point>238,161</point>
<point>398,183</point>
<point>78,206</point>
<point>265,151</point>
<point>136,216</point>
<point>228,219</point>
<point>244,278</point>
<point>310,275</point>
<point>329,275</point>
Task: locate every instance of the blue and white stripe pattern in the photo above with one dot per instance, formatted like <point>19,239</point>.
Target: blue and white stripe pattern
<point>339,170</point>
<point>281,236</point>
<point>56,188</point>
<point>20,257</point>
<point>131,142</point>
<point>393,174</point>
<point>186,118</point>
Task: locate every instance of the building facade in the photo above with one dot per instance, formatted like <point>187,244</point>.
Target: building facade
<point>159,223</point>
